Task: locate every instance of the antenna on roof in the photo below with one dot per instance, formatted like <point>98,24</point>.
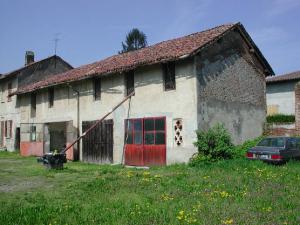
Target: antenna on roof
<point>56,39</point>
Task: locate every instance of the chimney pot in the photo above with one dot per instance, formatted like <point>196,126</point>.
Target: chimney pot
<point>29,57</point>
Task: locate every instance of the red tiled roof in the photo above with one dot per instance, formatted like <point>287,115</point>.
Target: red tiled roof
<point>285,77</point>
<point>164,51</point>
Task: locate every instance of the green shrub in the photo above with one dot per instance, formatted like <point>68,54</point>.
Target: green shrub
<point>213,145</point>
<point>240,150</point>
<point>280,118</point>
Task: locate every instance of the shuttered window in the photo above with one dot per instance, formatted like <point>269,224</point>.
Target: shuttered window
<point>129,81</point>
<point>8,129</point>
<point>33,104</point>
<point>97,88</point>
<point>9,90</point>
<point>2,90</point>
<point>51,97</point>
<point>169,76</point>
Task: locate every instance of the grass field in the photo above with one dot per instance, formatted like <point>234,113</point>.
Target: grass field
<point>228,192</point>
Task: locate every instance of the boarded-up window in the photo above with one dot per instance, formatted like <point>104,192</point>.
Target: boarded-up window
<point>129,81</point>
<point>51,97</point>
<point>9,90</point>
<point>169,76</point>
<point>33,104</point>
<point>97,88</point>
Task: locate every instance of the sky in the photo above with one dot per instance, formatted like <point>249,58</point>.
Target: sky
<point>91,30</point>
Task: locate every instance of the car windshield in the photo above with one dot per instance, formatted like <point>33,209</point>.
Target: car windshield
<point>272,142</point>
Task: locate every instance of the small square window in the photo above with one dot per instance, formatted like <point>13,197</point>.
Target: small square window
<point>149,124</point>
<point>149,138</point>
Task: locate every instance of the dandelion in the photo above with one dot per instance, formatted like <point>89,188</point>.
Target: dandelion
<point>146,174</point>
<point>224,194</point>
<point>181,215</point>
<point>129,174</point>
<point>267,209</point>
<point>228,221</point>
<point>166,197</point>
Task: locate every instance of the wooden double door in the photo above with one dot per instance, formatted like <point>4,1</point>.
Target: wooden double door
<point>97,145</point>
<point>145,141</point>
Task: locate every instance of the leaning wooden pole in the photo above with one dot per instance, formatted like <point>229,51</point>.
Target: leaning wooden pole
<point>98,121</point>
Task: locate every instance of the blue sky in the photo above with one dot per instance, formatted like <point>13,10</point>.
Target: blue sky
<point>90,30</point>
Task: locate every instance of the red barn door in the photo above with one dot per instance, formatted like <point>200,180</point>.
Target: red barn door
<point>146,141</point>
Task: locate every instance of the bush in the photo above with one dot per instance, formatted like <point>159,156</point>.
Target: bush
<point>240,150</point>
<point>213,145</point>
<point>280,118</point>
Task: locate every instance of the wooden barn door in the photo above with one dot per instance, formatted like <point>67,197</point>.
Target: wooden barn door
<point>146,141</point>
<point>97,145</point>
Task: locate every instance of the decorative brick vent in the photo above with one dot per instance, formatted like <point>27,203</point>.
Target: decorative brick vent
<point>178,132</point>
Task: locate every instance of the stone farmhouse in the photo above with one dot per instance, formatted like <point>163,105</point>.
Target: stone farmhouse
<point>281,93</point>
<point>9,105</point>
<point>180,86</point>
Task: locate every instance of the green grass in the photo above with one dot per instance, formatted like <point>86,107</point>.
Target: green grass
<point>227,192</point>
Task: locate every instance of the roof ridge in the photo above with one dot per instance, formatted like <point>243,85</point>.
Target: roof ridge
<point>155,44</point>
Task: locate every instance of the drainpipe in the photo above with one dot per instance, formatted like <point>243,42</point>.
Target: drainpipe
<point>78,115</point>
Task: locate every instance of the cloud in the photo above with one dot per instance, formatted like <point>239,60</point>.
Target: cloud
<point>279,7</point>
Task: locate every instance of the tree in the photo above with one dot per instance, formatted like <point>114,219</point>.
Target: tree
<point>135,39</point>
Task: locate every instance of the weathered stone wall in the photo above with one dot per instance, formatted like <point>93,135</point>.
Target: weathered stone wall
<point>231,89</point>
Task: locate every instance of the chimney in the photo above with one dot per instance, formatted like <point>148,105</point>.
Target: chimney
<point>29,57</point>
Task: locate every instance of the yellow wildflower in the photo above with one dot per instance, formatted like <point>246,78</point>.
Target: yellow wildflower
<point>228,221</point>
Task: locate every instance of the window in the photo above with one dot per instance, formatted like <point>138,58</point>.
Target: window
<point>51,97</point>
<point>1,133</point>
<point>272,142</point>
<point>97,88</point>
<point>2,93</point>
<point>9,89</point>
<point>169,76</point>
<point>154,131</point>
<point>32,133</point>
<point>33,104</point>
<point>129,81</point>
<point>134,131</point>
<point>148,131</point>
<point>8,129</point>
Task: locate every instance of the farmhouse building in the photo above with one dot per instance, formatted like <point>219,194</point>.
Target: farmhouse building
<point>10,82</point>
<point>179,85</point>
<point>281,93</point>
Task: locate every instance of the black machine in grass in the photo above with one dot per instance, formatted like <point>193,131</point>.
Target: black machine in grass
<point>56,160</point>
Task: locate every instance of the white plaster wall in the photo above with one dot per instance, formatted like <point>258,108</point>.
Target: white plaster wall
<point>283,95</point>
<point>150,100</point>
<point>9,111</point>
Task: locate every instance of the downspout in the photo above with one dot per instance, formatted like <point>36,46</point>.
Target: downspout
<point>78,115</point>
